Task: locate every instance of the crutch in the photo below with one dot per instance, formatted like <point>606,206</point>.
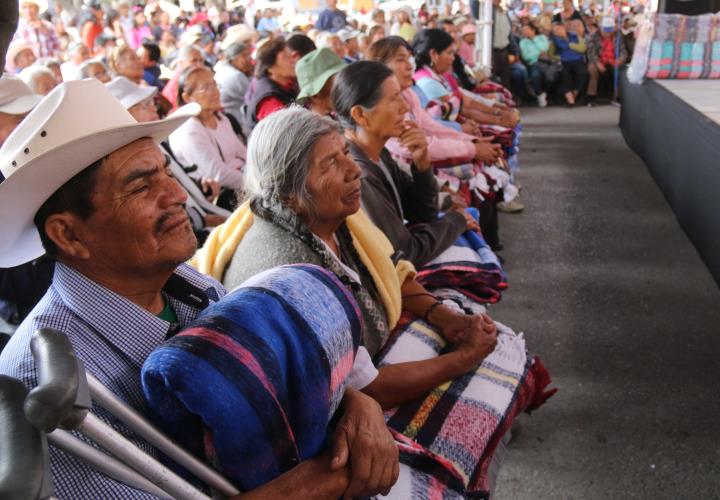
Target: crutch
<point>63,399</point>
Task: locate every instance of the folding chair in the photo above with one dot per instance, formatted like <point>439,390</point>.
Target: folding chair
<point>61,403</point>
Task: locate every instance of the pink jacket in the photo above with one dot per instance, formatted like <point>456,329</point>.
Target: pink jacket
<point>444,143</point>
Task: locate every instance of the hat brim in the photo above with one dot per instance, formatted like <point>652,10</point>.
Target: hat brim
<point>21,105</point>
<point>318,83</point>
<point>23,193</point>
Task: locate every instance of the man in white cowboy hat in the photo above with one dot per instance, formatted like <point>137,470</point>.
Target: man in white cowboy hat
<point>20,287</point>
<point>86,183</point>
<point>37,32</point>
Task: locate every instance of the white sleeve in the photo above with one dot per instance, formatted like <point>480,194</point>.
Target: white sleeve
<point>363,371</point>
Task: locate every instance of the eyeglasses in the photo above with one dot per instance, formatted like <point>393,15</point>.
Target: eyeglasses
<point>210,87</point>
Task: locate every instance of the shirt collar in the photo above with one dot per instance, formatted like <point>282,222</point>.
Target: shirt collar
<point>130,328</point>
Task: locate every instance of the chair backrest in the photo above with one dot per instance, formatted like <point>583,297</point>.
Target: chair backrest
<point>22,460</point>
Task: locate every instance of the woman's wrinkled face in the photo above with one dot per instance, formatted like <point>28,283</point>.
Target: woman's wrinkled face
<point>333,183</point>
<point>387,118</point>
<point>144,111</point>
<point>24,58</point>
<point>442,61</point>
<point>129,65</point>
<point>44,83</point>
<point>201,88</point>
<point>402,67</point>
<point>98,71</point>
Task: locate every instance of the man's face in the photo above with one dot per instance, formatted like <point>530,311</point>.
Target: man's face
<point>24,58</point>
<point>140,224</point>
<point>331,4</point>
<point>29,11</point>
<point>98,71</point>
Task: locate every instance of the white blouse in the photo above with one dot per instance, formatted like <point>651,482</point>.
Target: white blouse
<point>218,154</point>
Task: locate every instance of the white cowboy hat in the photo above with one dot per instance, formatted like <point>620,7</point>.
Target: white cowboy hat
<point>42,5</point>
<point>16,98</point>
<point>75,125</point>
<point>128,93</point>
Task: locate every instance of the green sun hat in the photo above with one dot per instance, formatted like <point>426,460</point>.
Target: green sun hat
<point>314,70</point>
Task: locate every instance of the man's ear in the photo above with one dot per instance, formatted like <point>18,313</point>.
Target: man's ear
<point>359,116</point>
<point>65,230</point>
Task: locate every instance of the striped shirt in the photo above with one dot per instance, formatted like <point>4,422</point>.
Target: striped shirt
<point>113,337</point>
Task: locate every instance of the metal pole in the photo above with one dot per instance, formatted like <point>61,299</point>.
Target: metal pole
<point>104,463</point>
<point>487,27</point>
<point>122,448</point>
<point>105,398</point>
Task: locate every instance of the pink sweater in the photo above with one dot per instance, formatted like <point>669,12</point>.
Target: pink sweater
<point>444,143</point>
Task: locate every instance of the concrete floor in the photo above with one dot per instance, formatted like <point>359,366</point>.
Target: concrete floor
<point>614,298</point>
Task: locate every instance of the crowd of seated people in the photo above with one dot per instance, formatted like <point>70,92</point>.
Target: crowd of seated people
<point>311,164</point>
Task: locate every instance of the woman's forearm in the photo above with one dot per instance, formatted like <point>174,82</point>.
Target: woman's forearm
<point>403,382</point>
<point>311,479</point>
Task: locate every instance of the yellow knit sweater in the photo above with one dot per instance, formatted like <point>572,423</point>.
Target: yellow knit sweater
<point>372,246</point>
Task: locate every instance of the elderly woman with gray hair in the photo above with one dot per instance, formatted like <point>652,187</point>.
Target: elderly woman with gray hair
<point>451,375</point>
<point>303,206</point>
<point>232,75</point>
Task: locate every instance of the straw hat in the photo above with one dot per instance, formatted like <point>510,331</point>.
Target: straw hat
<point>314,70</point>
<point>75,125</point>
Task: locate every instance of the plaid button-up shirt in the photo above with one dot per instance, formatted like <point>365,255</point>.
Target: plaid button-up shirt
<point>113,337</point>
<point>45,42</point>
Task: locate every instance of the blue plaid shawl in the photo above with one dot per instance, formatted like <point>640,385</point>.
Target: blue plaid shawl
<point>252,384</point>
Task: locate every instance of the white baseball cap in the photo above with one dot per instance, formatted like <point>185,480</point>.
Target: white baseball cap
<point>16,98</point>
<point>128,93</point>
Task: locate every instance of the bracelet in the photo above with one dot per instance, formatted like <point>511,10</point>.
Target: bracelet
<point>426,316</point>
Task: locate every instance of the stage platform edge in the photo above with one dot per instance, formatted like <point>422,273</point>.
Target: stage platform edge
<point>674,126</point>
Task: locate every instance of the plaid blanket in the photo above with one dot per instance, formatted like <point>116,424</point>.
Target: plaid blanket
<point>447,439</point>
<point>226,389</point>
<point>470,267</point>
<point>685,47</point>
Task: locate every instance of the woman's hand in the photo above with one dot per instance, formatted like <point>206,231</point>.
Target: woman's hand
<point>210,188</point>
<point>362,440</point>
<point>413,138</point>
<point>470,127</point>
<point>470,223</point>
<point>508,120</point>
<point>486,152</point>
<point>477,341</point>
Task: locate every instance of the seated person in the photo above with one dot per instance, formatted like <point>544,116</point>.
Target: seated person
<point>208,140</point>
<point>304,201</point>
<point>303,207</point>
<point>275,86</point>
<point>316,74</point>
<point>39,79</point>
<point>434,55</point>
<point>113,219</point>
<point>570,49</point>
<point>368,102</point>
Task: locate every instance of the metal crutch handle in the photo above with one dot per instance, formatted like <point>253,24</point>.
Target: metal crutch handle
<point>22,460</point>
<point>52,402</point>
